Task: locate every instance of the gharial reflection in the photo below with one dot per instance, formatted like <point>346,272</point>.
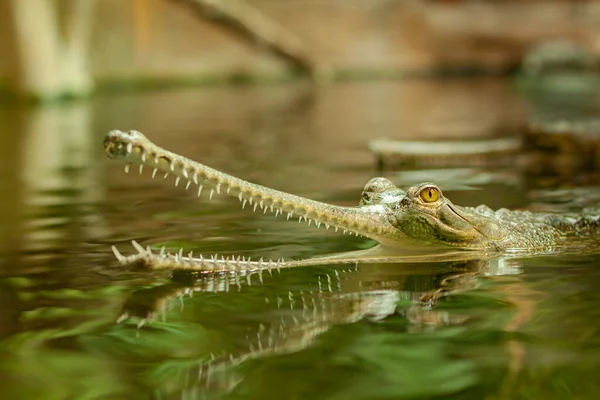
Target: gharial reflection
<point>297,318</point>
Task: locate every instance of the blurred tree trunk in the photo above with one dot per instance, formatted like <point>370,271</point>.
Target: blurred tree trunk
<point>51,64</point>
<point>250,24</point>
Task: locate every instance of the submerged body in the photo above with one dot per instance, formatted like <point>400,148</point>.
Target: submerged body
<point>401,221</point>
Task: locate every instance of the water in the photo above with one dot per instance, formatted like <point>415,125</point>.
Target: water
<point>519,328</point>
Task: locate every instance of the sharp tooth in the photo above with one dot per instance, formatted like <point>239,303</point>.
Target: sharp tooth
<point>129,147</point>
<point>143,157</point>
<point>191,254</point>
<point>271,207</point>
<point>200,190</point>
<point>244,203</point>
<point>276,212</point>
<point>289,215</point>
<point>195,178</point>
<point>327,226</point>
<point>154,172</point>
<point>218,188</point>
<point>117,254</point>
<point>188,185</point>
<point>255,205</point>
<point>181,252</point>
<point>211,194</point>
<point>265,210</point>
<point>138,247</point>
<point>162,251</point>
<point>141,168</point>
<point>336,228</point>
<point>177,181</point>
<point>240,196</point>
<point>156,159</point>
<point>318,224</point>
<point>122,318</point>
<point>172,166</point>
<point>309,221</point>
<point>126,168</point>
<point>345,231</point>
<point>185,174</point>
<point>262,204</point>
<point>299,219</point>
<point>166,174</point>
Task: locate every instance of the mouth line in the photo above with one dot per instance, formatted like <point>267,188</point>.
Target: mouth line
<point>473,225</point>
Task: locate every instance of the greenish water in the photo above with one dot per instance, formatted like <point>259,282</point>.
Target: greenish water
<point>76,325</point>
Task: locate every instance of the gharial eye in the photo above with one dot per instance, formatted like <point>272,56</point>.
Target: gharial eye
<point>366,197</point>
<point>429,194</point>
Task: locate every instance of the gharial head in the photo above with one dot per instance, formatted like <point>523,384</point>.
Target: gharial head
<point>423,215</point>
<point>393,217</point>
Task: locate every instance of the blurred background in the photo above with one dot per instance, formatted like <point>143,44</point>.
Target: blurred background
<point>57,48</point>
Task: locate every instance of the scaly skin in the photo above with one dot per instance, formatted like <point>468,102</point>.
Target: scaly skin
<point>418,220</point>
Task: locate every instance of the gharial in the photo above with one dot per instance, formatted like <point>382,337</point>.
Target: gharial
<point>417,220</point>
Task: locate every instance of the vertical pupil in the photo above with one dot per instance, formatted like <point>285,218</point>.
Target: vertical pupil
<point>430,193</point>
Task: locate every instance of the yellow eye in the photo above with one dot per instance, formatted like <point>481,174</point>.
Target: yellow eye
<point>429,194</point>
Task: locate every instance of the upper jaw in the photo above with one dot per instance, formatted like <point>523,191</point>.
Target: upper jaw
<point>134,148</point>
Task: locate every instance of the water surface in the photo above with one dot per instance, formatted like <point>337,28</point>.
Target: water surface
<point>75,324</point>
